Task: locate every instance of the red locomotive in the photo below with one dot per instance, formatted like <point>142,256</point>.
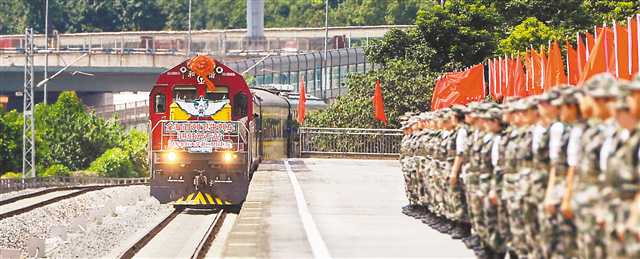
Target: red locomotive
<point>209,134</point>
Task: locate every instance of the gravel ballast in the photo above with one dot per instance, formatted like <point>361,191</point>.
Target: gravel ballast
<point>95,222</point>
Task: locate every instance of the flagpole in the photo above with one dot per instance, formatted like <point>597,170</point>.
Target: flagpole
<point>606,49</point>
<point>615,47</point>
<point>533,71</point>
<point>629,46</point>
<point>543,69</point>
<point>526,71</point>
<point>568,68</point>
<point>579,55</point>
<point>638,36</point>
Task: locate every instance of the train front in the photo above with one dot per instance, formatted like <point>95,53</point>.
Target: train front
<point>201,124</point>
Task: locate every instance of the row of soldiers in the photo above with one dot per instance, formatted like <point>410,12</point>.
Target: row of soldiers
<point>548,176</point>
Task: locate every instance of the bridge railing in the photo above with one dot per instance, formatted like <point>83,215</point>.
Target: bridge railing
<point>216,42</point>
<point>349,141</point>
<point>9,185</point>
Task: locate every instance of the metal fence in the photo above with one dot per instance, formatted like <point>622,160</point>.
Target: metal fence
<point>8,185</point>
<point>126,114</point>
<point>289,70</point>
<point>349,141</point>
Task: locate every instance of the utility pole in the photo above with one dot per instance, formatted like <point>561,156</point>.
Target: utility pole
<point>189,37</point>
<point>46,46</point>
<point>326,38</point>
<point>28,129</point>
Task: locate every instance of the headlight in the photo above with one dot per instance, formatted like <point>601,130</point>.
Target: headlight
<point>172,156</point>
<point>228,156</point>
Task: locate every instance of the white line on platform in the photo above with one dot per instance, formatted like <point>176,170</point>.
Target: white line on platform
<point>318,247</point>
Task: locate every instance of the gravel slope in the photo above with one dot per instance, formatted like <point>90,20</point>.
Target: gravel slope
<point>95,222</point>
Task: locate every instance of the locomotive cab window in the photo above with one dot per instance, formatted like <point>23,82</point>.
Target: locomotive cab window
<point>160,103</point>
<point>240,102</point>
<point>218,94</point>
<point>185,93</point>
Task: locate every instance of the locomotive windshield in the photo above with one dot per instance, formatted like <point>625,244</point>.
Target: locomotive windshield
<point>185,93</point>
<point>220,93</point>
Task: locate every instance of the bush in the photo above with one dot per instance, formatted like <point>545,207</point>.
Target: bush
<point>11,175</point>
<point>135,144</point>
<point>56,170</point>
<point>115,162</point>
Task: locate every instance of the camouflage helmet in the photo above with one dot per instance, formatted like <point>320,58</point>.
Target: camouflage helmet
<point>600,86</point>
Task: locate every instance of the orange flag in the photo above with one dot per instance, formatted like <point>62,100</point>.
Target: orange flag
<point>582,55</point>
<point>621,50</point>
<point>633,43</point>
<point>590,43</point>
<point>519,79</point>
<point>572,64</point>
<point>459,88</point>
<point>543,70</point>
<point>596,63</point>
<point>537,67</point>
<point>528,68</point>
<point>554,74</point>
<point>608,49</point>
<point>378,103</point>
<point>493,82</point>
<point>302,100</point>
<point>512,87</point>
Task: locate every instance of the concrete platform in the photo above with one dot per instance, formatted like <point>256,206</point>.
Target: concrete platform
<point>333,208</point>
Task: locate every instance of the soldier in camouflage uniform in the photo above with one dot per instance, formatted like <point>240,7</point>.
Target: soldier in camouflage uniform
<point>500,192</point>
<point>558,232</point>
<point>406,158</point>
<point>455,202</point>
<point>587,193</point>
<point>621,180</point>
<point>515,156</point>
<point>471,178</point>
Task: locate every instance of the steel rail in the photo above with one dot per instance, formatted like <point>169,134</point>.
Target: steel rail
<point>203,245</point>
<point>135,248</point>
<point>31,207</point>
<point>212,232</point>
<point>54,189</point>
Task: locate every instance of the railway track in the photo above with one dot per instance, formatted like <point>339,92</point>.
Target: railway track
<point>184,233</point>
<point>25,203</point>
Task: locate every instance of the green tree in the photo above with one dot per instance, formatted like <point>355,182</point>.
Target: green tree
<point>115,162</point>
<point>68,135</point>
<point>135,145</point>
<point>461,32</point>
<point>10,141</point>
<point>607,11</point>
<point>531,32</point>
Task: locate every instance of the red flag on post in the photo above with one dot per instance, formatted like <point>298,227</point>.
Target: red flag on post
<point>554,71</point>
<point>378,103</point>
<point>573,62</point>
<point>301,102</point>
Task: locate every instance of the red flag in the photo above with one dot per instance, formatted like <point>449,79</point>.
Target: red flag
<point>634,23</point>
<point>596,63</point>
<point>554,73</point>
<point>582,55</point>
<point>459,88</point>
<point>492,80</point>
<point>621,52</point>
<point>519,79</point>
<point>543,70</point>
<point>528,69</point>
<point>537,67</point>
<point>378,104</point>
<point>590,43</point>
<point>302,100</point>
<point>572,64</point>
<point>511,77</point>
<point>607,49</point>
